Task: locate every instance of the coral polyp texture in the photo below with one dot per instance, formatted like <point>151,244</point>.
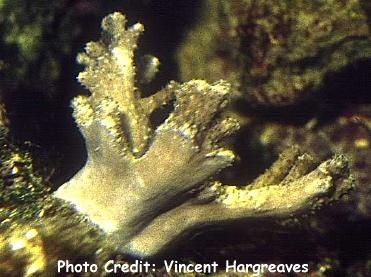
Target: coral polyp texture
<point>148,188</point>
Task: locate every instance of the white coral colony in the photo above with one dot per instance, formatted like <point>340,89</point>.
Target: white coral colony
<point>148,188</point>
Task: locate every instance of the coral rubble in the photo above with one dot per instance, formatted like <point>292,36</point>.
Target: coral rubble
<point>35,229</point>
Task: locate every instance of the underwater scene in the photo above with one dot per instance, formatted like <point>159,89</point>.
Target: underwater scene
<point>185,138</point>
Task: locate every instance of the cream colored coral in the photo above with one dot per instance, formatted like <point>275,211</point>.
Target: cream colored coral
<point>149,188</point>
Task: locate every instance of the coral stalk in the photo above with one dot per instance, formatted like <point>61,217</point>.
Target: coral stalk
<point>149,188</point>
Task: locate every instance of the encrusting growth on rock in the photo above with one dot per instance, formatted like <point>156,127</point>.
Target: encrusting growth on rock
<point>276,53</point>
<point>149,188</point>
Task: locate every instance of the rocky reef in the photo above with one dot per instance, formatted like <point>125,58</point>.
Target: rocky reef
<point>266,137</point>
<point>275,53</point>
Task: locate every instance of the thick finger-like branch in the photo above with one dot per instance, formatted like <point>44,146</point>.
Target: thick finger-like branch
<point>326,183</point>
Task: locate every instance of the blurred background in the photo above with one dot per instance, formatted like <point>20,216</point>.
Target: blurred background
<point>300,72</point>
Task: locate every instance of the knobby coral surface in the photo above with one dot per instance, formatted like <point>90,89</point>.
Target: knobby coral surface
<point>149,188</point>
